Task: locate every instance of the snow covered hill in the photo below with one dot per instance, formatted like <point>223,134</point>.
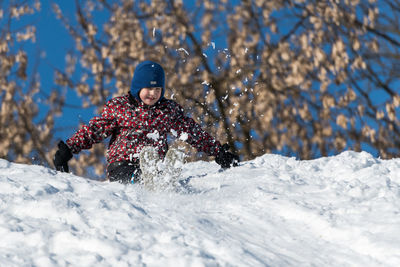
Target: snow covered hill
<point>271,211</point>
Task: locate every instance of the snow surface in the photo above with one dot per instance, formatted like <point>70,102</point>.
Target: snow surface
<point>271,211</point>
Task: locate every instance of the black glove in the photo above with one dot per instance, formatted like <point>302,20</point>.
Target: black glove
<point>62,156</point>
<point>225,158</point>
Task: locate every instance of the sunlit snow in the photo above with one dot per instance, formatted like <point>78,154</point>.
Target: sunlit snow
<point>271,211</point>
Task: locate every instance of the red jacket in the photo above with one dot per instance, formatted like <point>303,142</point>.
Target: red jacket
<point>133,125</point>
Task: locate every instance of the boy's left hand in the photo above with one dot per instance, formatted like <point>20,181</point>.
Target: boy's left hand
<point>226,159</point>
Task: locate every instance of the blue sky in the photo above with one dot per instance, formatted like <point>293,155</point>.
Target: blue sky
<point>55,42</point>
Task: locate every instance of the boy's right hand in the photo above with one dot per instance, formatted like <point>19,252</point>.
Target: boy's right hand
<point>62,156</point>
<point>226,159</point>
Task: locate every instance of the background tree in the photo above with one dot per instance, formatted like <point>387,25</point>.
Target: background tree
<point>25,135</point>
<point>301,78</point>
<point>290,77</point>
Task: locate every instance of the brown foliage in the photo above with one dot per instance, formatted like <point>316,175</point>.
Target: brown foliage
<point>23,136</point>
<point>293,77</point>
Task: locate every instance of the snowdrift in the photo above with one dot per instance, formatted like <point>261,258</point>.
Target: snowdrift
<point>271,211</point>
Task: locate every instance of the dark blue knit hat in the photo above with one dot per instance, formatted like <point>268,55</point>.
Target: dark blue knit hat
<point>147,74</point>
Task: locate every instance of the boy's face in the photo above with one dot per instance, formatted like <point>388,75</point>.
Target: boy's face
<point>150,96</point>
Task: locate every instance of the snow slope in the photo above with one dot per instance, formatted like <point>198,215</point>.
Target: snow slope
<point>271,211</point>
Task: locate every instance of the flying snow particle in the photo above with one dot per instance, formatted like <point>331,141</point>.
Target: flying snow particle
<point>184,137</point>
<point>174,133</point>
<point>184,50</point>
<point>154,135</point>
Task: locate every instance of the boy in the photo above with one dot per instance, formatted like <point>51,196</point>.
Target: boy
<point>142,118</point>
